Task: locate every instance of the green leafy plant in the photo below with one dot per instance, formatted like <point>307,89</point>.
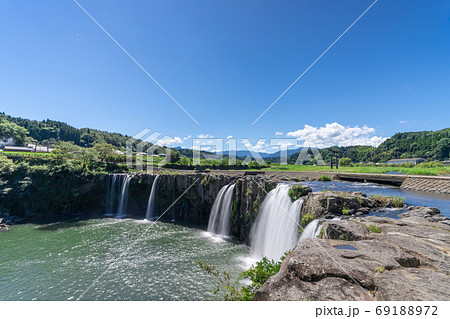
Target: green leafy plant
<point>232,290</point>
<point>297,191</point>
<point>380,269</point>
<point>345,210</point>
<point>306,219</point>
<point>372,228</point>
<point>324,178</point>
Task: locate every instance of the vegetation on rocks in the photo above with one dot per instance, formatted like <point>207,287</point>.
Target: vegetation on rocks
<point>230,289</point>
<point>306,219</point>
<point>372,228</point>
<point>388,201</point>
<point>325,178</point>
<point>297,191</point>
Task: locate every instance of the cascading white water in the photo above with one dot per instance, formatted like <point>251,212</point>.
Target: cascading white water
<point>276,228</point>
<point>111,194</point>
<point>151,213</point>
<point>219,219</point>
<point>312,230</point>
<point>123,202</point>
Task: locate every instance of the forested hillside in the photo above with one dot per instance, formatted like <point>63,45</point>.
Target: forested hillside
<point>427,144</point>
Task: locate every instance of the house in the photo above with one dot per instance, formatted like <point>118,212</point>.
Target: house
<point>399,161</point>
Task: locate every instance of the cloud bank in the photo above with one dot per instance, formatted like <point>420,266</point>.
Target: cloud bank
<point>336,134</point>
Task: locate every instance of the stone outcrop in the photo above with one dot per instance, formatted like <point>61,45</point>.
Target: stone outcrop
<point>370,258</point>
<point>321,204</point>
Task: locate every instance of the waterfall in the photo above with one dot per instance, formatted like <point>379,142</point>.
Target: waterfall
<point>276,228</point>
<point>123,202</point>
<point>111,193</point>
<point>151,213</point>
<point>312,230</point>
<point>219,219</point>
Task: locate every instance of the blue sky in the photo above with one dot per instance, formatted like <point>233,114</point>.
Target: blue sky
<point>226,62</point>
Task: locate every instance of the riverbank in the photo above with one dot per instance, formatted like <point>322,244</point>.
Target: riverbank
<point>428,171</point>
<point>432,184</point>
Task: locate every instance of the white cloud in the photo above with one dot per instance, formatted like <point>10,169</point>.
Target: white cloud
<point>337,134</point>
<point>279,133</point>
<point>229,136</point>
<point>204,136</point>
<point>167,140</point>
<point>283,144</point>
<point>402,121</point>
<point>187,137</point>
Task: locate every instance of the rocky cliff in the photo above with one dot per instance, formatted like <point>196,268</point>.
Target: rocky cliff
<point>195,204</point>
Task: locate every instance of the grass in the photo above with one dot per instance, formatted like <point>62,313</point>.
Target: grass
<point>432,171</point>
<point>26,154</point>
<point>394,201</point>
<point>372,228</point>
<point>324,178</point>
<point>380,269</point>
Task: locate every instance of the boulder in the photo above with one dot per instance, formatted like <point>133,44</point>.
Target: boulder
<point>319,204</point>
<point>343,230</point>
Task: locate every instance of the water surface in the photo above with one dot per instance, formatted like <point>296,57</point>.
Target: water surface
<point>60,261</point>
<point>440,201</point>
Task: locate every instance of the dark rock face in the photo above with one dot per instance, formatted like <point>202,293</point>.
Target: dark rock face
<point>407,260</point>
<point>196,203</point>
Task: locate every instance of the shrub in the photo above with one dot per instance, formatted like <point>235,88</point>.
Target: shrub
<point>324,178</point>
<point>393,201</point>
<point>306,219</point>
<point>430,164</point>
<point>232,290</point>
<point>345,161</point>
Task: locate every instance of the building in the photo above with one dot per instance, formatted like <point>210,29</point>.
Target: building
<point>29,148</point>
<point>399,161</point>
<point>18,149</point>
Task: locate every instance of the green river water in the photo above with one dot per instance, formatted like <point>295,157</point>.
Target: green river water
<point>60,261</point>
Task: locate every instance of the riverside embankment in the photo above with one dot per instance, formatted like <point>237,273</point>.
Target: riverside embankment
<point>423,183</point>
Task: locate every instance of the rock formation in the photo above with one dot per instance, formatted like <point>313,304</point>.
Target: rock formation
<point>370,258</point>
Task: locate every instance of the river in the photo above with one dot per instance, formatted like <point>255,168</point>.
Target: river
<point>139,260</point>
<point>60,261</point>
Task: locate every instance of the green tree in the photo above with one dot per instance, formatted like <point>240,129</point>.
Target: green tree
<point>345,161</point>
<point>174,156</point>
<point>11,130</point>
<point>105,151</point>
